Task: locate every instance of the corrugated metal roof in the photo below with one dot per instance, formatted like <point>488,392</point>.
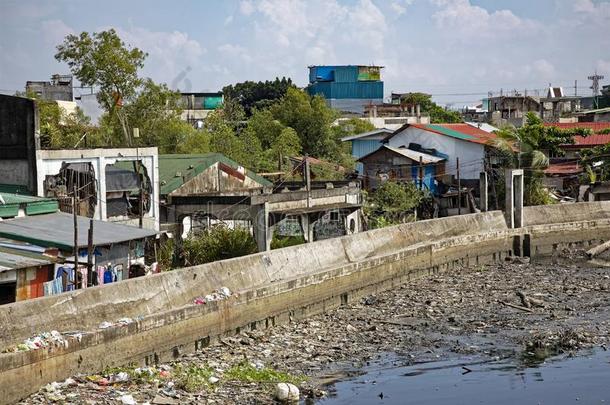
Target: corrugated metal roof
<point>11,259</point>
<point>57,230</point>
<point>14,189</point>
<point>563,168</point>
<point>591,140</point>
<point>374,134</point>
<point>175,170</point>
<point>415,155</point>
<point>352,90</point>
<point>595,139</point>
<point>598,111</point>
<point>408,153</point>
<point>11,203</point>
<point>483,126</point>
<point>593,126</point>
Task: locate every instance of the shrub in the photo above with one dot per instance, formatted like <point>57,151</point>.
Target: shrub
<point>218,243</point>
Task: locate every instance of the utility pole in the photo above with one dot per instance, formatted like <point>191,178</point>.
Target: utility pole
<point>421,174</point>
<point>136,135</point>
<point>90,254</point>
<point>459,187</point>
<point>74,216</point>
<point>575,88</point>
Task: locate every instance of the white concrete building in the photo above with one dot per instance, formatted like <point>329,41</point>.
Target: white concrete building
<point>107,183</point>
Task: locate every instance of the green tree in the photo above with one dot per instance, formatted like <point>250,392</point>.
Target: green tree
<point>251,152</point>
<point>62,130</point>
<point>392,203</point>
<point>437,113</point>
<point>596,163</point>
<point>222,137</point>
<point>265,127</point>
<point>531,145</point>
<point>285,145</point>
<point>311,118</point>
<point>233,113</point>
<point>195,142</point>
<point>103,60</point>
<point>257,95</point>
<point>155,111</point>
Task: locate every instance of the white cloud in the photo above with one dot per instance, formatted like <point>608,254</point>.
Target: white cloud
<point>603,67</point>
<point>543,69</point>
<point>316,29</point>
<point>169,53</point>
<point>588,12</point>
<point>246,7</point>
<point>235,52</point>
<point>54,31</point>
<point>24,11</point>
<point>477,22</point>
<point>398,8</point>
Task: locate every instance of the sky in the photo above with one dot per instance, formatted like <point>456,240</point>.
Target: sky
<point>456,50</point>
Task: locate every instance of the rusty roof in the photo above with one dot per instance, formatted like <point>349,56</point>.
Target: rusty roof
<point>596,139</point>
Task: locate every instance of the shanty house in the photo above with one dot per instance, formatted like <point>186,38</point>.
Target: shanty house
<point>191,176</point>
<point>402,164</point>
<point>34,243</point>
<point>452,141</point>
<point>365,143</point>
<point>24,268</point>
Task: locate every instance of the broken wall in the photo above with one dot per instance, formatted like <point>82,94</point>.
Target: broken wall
<point>50,162</point>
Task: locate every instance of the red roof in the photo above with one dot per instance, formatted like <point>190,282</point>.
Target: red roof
<point>595,139</point>
<point>564,168</point>
<point>591,140</point>
<point>462,131</point>
<point>594,126</point>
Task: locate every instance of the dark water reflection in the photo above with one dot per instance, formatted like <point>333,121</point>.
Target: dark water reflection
<point>584,379</point>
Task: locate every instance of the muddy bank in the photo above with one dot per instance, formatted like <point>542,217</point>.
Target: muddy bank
<point>510,310</point>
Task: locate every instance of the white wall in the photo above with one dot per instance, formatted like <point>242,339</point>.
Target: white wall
<point>471,154</point>
<point>49,162</point>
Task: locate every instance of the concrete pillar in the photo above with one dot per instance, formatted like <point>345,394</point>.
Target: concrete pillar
<point>101,211</point>
<point>514,198</point>
<point>483,200</point>
<point>352,219</point>
<point>306,227</point>
<point>262,232</point>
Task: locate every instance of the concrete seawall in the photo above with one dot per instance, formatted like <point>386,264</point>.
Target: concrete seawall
<point>273,287</point>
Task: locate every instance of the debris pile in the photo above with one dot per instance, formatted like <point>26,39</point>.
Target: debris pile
<point>118,323</point>
<point>45,339</point>
<point>218,295</point>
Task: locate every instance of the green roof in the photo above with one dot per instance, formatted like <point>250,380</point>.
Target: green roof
<point>11,203</point>
<point>175,170</point>
<point>14,189</point>
<point>448,131</point>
